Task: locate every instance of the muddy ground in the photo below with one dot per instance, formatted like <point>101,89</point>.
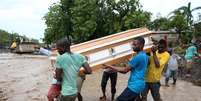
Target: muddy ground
<point>27,77</point>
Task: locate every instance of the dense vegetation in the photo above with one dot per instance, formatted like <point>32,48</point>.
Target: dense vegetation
<point>83,20</point>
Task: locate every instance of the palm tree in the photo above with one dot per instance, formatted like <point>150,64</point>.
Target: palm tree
<point>187,11</point>
<point>179,22</point>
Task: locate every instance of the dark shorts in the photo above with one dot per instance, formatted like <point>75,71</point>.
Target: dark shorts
<point>113,78</point>
<point>67,97</point>
<point>171,73</point>
<point>128,95</point>
<point>154,88</point>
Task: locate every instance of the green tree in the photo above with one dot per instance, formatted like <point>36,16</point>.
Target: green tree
<point>83,19</point>
<point>197,27</point>
<point>160,24</point>
<point>71,19</point>
<point>187,11</point>
<point>90,19</point>
<point>113,16</point>
<point>105,18</point>
<point>137,19</point>
<point>66,17</point>
<point>53,20</point>
<point>4,39</point>
<point>124,8</point>
<point>179,22</point>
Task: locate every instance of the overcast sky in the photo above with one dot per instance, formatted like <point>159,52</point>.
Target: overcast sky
<point>25,16</point>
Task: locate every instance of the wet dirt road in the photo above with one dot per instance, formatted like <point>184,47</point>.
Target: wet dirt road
<point>27,77</point>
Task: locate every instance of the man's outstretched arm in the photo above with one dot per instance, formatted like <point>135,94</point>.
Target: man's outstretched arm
<point>118,69</point>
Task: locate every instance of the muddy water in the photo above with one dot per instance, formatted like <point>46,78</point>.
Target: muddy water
<point>26,78</point>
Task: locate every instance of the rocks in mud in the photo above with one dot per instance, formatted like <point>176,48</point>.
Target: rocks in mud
<point>3,95</point>
<point>196,72</point>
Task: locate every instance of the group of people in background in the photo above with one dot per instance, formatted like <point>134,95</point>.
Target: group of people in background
<point>145,72</point>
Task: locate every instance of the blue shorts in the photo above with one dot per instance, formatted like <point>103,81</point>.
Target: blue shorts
<point>171,73</point>
<point>127,95</point>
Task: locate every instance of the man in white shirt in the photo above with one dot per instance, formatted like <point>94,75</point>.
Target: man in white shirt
<point>172,68</point>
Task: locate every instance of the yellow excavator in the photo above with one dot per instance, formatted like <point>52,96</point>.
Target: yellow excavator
<point>23,47</point>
